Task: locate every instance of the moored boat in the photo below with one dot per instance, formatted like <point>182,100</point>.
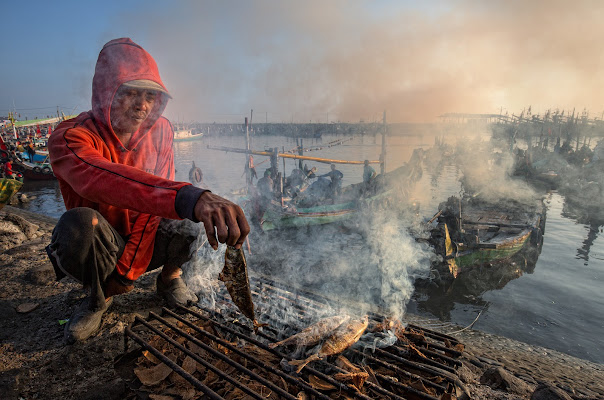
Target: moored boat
<point>186,134</point>
<point>34,171</point>
<point>471,232</point>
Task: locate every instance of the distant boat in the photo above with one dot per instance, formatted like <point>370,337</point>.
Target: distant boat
<point>186,134</point>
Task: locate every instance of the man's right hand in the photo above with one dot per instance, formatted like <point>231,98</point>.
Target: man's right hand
<point>223,220</point>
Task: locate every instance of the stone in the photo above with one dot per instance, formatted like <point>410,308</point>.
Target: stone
<point>499,379</point>
<point>545,391</point>
<point>24,225</point>
<point>27,307</point>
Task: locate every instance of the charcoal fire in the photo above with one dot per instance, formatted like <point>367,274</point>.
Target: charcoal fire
<point>209,352</point>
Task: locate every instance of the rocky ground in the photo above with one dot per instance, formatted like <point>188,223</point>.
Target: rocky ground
<point>36,363</point>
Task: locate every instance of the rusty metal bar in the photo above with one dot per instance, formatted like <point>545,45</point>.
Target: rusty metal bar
<point>417,366</point>
<point>223,357</point>
<point>382,391</point>
<point>399,370</point>
<point>440,347</point>
<point>435,334</point>
<point>311,297</point>
<point>405,388</point>
<point>175,367</point>
<point>200,360</point>
<point>250,358</point>
<point>398,353</point>
<point>263,346</point>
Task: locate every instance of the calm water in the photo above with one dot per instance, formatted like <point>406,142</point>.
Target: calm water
<point>557,303</point>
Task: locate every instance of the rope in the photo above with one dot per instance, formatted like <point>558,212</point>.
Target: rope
<point>473,322</point>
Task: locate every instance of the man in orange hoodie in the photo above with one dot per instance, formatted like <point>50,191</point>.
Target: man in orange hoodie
<point>125,213</point>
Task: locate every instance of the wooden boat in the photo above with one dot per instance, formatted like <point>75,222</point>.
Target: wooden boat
<point>384,191</point>
<point>472,232</point>
<point>34,171</point>
<point>186,134</point>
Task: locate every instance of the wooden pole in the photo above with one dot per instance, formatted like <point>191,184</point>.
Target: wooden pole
<point>300,153</point>
<point>287,155</point>
<point>248,171</point>
<point>383,155</point>
<point>284,173</point>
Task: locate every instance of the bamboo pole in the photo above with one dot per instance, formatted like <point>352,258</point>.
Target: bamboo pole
<point>287,155</point>
<point>383,155</point>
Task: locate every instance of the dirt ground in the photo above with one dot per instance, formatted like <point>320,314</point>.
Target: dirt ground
<point>36,363</point>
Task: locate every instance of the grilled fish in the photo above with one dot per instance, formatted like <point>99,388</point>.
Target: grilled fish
<point>343,337</point>
<point>235,278</point>
<point>314,333</point>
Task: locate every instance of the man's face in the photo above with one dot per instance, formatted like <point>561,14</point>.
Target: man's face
<point>130,108</point>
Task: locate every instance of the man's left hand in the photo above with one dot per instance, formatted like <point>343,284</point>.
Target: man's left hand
<point>222,220</point>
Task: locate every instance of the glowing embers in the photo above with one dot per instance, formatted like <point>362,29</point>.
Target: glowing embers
<point>209,352</point>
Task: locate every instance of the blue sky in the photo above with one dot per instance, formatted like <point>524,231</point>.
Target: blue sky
<point>303,61</point>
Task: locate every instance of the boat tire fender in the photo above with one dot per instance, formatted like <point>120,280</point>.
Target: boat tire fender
<point>46,170</point>
<point>37,169</point>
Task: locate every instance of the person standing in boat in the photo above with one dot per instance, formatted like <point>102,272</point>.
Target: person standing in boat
<point>336,180</point>
<point>31,151</point>
<point>126,214</point>
<point>265,192</point>
<point>368,174</point>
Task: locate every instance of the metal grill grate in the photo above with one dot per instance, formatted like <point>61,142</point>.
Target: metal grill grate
<point>233,362</point>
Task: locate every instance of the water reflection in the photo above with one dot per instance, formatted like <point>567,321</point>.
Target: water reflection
<point>440,296</point>
<point>592,220</point>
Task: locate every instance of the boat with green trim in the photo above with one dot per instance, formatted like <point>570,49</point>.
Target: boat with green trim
<point>186,135</point>
<point>471,231</point>
<point>382,192</point>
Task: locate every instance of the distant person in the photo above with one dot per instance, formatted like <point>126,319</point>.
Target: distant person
<point>265,194</point>
<point>557,146</point>
<point>31,151</point>
<point>7,169</point>
<point>265,185</point>
<point>250,171</point>
<point>196,176</point>
<point>598,154</point>
<point>336,180</point>
<point>368,173</point>
<point>296,179</point>
<point>310,173</point>
<point>126,214</point>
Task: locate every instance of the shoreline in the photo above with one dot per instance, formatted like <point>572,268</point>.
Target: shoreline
<point>35,360</point>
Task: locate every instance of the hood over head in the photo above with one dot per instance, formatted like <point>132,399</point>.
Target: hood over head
<point>120,61</point>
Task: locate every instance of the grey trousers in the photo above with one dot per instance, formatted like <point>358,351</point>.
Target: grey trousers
<point>89,253</point>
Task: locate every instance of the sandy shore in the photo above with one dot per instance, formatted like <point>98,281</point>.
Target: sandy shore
<point>35,363</point>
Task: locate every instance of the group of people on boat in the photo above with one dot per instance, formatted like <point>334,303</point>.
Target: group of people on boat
<point>304,188</point>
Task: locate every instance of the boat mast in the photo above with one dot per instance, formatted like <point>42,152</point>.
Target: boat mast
<point>383,155</point>
<point>248,169</point>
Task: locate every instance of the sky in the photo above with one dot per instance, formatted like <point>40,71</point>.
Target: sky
<point>314,60</point>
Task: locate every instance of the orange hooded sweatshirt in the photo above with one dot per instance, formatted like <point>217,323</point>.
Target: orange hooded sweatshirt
<point>131,185</point>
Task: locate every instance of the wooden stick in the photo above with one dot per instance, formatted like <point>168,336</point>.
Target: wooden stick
<point>294,156</point>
